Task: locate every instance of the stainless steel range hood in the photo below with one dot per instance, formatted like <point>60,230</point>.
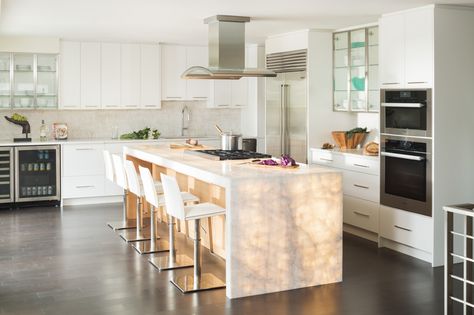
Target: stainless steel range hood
<point>226,51</point>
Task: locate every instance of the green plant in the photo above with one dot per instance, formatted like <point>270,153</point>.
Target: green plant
<point>351,132</point>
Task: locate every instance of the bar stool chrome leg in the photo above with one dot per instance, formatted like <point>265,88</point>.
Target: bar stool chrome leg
<point>125,223</point>
<point>154,245</point>
<point>172,261</point>
<point>138,234</point>
<point>198,281</point>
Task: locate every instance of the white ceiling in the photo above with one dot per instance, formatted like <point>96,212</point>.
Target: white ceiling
<point>180,21</point>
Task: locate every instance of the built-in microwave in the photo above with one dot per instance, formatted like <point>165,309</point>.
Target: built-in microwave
<point>405,173</point>
<point>406,112</point>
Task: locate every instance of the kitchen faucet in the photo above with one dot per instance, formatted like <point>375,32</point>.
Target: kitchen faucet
<point>185,116</point>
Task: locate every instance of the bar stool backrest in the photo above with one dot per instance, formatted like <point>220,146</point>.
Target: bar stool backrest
<point>132,179</point>
<point>109,168</point>
<point>148,186</point>
<point>173,200</point>
<point>120,176</point>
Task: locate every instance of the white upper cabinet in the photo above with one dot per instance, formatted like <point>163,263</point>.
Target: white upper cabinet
<point>406,49</point>
<point>239,92</point>
<point>150,94</point>
<point>90,75</point>
<point>70,78</point>
<point>110,75</point>
<point>197,89</point>
<point>173,64</point>
<point>220,94</point>
<point>130,75</point>
<point>392,46</point>
<point>419,48</point>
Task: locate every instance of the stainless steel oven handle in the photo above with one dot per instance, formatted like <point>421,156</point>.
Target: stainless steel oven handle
<point>405,105</point>
<point>402,156</point>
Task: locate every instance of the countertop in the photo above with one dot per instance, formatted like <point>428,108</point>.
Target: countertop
<point>357,152</point>
<point>36,142</point>
<point>217,172</point>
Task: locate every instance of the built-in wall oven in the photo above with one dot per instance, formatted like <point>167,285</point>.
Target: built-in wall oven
<point>406,112</point>
<point>406,173</point>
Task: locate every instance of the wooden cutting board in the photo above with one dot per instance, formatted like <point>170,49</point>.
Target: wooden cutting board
<point>185,146</point>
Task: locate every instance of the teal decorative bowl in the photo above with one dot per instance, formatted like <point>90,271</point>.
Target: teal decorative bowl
<point>358,83</point>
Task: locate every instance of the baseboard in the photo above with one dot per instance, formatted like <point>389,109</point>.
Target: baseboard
<point>407,250</point>
<point>91,200</point>
<point>361,233</point>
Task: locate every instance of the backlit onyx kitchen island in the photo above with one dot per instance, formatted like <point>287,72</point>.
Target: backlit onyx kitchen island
<point>282,229</point>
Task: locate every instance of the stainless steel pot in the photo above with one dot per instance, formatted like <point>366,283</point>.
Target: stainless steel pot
<point>231,141</point>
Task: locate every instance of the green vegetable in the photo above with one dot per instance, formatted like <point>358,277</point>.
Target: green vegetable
<point>18,117</point>
<point>351,132</point>
<point>142,134</point>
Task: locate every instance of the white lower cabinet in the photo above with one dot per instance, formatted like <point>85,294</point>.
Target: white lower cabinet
<point>412,229</point>
<point>360,183</point>
<point>361,213</point>
<point>83,186</point>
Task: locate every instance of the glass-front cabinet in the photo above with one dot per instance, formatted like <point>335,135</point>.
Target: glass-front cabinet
<point>356,70</point>
<point>28,80</point>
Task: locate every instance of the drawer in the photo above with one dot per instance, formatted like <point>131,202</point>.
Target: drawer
<point>83,186</point>
<point>360,185</point>
<point>111,189</point>
<point>327,157</point>
<point>362,164</point>
<point>408,228</point>
<point>361,213</point>
<point>82,160</point>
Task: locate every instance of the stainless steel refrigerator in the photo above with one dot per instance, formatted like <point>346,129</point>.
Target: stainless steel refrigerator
<point>286,115</point>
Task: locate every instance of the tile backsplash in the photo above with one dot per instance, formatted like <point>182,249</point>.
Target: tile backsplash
<point>90,124</point>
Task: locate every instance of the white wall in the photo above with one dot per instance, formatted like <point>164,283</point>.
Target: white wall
<point>372,122</point>
<point>453,119</point>
<point>322,118</point>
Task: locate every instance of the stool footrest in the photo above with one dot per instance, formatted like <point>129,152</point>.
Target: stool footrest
<point>164,263</point>
<point>207,281</point>
<point>147,247</point>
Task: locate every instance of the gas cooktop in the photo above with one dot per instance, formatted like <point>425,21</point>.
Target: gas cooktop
<point>228,154</point>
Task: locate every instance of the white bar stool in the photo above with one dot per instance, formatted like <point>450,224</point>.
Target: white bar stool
<point>135,187</point>
<point>175,207</point>
<point>172,261</point>
<point>118,178</point>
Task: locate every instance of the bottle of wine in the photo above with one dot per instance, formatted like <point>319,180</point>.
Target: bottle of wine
<point>43,131</point>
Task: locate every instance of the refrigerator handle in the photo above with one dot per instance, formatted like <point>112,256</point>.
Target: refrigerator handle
<point>282,118</point>
<point>285,136</point>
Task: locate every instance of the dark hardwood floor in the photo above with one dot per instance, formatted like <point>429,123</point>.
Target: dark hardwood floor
<point>68,262</point>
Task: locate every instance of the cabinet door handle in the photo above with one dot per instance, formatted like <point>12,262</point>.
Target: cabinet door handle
<point>174,97</point>
<point>402,228</point>
<point>324,159</point>
<point>361,186</point>
<point>85,186</point>
<point>200,97</point>
<point>222,105</point>
<point>361,214</point>
<point>361,165</point>
<point>390,83</point>
<point>417,82</point>
<point>238,105</point>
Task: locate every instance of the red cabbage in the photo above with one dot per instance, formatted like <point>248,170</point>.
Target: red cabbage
<point>287,160</point>
<point>268,162</point>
